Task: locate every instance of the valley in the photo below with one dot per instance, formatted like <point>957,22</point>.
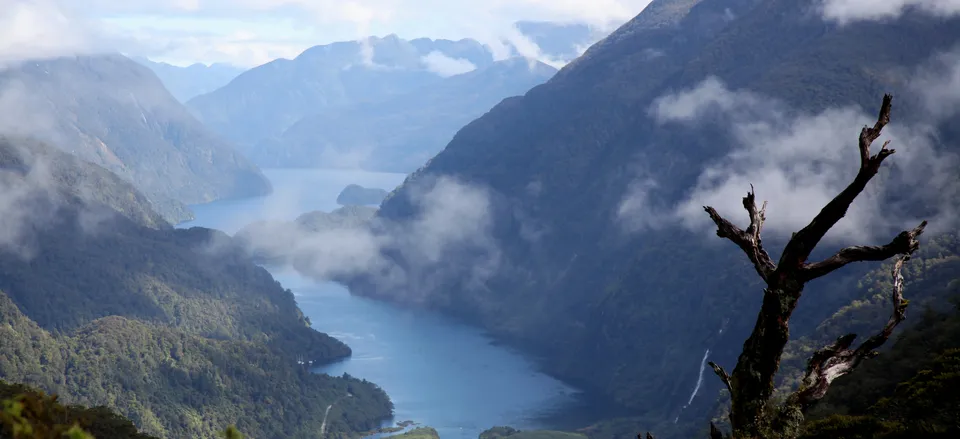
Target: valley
<point>622,219</point>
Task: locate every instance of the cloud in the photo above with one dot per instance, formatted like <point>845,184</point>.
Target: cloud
<point>22,195</point>
<point>41,28</point>
<point>937,83</point>
<point>798,162</point>
<point>639,210</point>
<point>251,32</point>
<point>845,11</point>
<point>445,66</point>
<point>454,221</point>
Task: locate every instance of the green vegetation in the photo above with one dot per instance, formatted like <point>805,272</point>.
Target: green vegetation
<point>419,433</point>
<point>504,432</point>
<point>175,330</point>
<point>26,413</point>
<point>912,391</point>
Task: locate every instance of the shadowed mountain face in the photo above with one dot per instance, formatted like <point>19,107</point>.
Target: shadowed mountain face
<point>111,111</point>
<point>606,264</point>
<point>104,303</point>
<point>187,82</point>
<point>266,100</point>
<point>403,131</point>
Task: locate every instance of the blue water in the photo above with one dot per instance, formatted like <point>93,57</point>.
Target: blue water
<point>437,372</point>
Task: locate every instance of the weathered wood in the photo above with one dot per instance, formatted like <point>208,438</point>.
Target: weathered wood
<point>751,383</point>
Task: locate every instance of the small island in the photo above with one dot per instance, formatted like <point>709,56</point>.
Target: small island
<point>356,195</point>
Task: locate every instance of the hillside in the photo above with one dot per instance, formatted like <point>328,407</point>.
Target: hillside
<point>266,100</point>
<point>399,133</point>
<point>114,112</point>
<point>44,411</point>
<point>604,263</point>
<point>174,329</point>
<point>911,390</point>
<point>187,82</point>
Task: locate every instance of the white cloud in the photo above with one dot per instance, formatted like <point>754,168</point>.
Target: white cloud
<point>937,83</point>
<point>41,28</point>
<point>250,32</point>
<point>444,65</point>
<point>454,220</point>
<point>845,11</point>
<point>798,162</point>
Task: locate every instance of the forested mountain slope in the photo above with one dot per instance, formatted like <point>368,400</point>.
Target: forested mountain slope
<point>175,329</point>
<point>114,112</point>
<point>605,262</point>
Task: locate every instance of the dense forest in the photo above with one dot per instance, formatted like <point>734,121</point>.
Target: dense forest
<point>176,330</point>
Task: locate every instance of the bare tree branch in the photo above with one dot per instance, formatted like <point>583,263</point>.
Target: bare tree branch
<point>905,243</point>
<point>797,251</point>
<point>838,359</point>
<point>715,432</point>
<point>748,240</point>
<point>724,376</point>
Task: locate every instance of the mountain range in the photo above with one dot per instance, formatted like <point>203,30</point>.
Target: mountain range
<point>196,79</point>
<point>399,133</point>
<point>264,101</point>
<point>109,110</point>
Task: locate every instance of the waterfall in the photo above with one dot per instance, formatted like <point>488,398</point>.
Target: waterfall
<point>703,366</point>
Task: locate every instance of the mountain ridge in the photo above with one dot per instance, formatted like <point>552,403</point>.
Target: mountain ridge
<point>114,112</point>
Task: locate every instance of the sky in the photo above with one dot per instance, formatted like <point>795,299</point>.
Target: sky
<point>251,32</point>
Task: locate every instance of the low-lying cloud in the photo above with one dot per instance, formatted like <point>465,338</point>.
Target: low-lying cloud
<point>798,162</point>
<point>446,66</point>
<point>453,223</point>
<point>845,11</point>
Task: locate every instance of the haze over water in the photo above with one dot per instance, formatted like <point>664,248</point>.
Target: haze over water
<point>437,372</point>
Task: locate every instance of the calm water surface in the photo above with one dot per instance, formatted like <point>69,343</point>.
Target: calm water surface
<point>437,372</point>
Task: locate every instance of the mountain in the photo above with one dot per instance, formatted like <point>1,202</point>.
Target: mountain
<point>266,100</point>
<point>604,263</point>
<point>187,82</point>
<point>111,111</point>
<point>177,330</point>
<point>401,132</point>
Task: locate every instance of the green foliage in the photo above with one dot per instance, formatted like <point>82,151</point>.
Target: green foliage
<point>912,391</point>
<point>30,414</point>
<point>232,433</point>
<point>418,433</point>
<point>177,330</point>
<point>505,432</point>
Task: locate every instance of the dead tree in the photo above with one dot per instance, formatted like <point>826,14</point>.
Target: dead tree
<point>751,384</point>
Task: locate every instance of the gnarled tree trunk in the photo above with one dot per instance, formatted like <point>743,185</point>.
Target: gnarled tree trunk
<point>751,384</point>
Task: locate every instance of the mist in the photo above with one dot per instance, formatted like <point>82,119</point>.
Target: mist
<point>454,218</point>
<point>798,161</point>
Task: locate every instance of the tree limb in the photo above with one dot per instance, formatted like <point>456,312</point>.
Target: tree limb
<point>802,243</point>
<point>724,376</point>
<point>748,240</point>
<point>715,432</point>
<point>838,359</point>
<point>905,243</point>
